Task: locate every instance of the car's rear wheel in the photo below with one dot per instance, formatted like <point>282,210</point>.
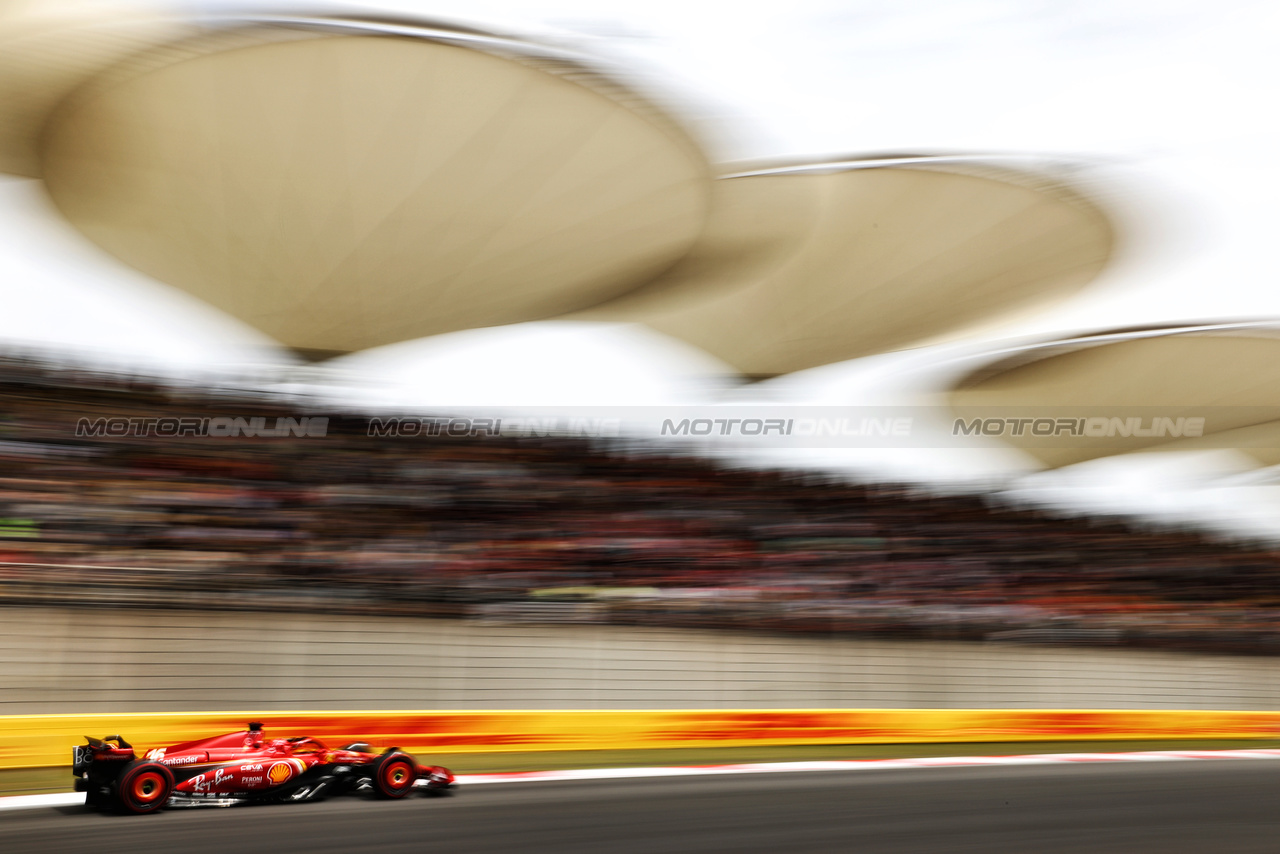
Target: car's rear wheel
<point>394,775</point>
<point>143,787</point>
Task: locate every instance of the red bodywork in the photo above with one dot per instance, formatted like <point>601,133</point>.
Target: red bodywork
<point>244,766</point>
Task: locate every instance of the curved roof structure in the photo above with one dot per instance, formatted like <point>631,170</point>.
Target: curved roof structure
<point>343,185</point>
<point>804,266</point>
<point>1227,374</point>
<point>49,49</point>
<point>1259,441</point>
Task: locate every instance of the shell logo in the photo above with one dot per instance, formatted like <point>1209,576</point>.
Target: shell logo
<point>279,772</point>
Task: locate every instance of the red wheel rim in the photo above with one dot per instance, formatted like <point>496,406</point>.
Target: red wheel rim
<point>147,787</point>
<point>396,774</point>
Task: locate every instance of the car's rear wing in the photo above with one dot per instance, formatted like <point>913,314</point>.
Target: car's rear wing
<point>100,750</point>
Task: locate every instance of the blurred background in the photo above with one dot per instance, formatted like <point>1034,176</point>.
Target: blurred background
<point>359,356</point>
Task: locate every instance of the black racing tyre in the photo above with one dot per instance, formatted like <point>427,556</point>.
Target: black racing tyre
<point>143,787</point>
<point>394,774</point>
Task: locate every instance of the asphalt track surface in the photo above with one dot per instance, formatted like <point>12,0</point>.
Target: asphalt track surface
<point>1212,806</point>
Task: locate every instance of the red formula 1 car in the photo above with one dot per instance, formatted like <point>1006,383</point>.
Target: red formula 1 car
<point>243,767</point>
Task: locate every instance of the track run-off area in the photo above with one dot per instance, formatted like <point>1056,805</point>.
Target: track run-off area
<point>1166,801</point>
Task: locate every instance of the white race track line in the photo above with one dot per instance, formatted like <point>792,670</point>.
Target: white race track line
<point>60,799</point>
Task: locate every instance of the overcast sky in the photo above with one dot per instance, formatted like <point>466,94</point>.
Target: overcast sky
<point>1172,105</point>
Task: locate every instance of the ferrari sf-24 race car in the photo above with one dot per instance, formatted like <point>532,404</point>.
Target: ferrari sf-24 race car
<point>243,767</point>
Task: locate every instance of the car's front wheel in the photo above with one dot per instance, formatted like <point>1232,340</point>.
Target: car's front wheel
<point>394,774</point>
<point>143,787</point>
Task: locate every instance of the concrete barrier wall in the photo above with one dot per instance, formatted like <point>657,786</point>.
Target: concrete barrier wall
<point>83,661</point>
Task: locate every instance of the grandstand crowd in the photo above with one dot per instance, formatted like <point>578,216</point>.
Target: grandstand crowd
<point>562,529</point>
